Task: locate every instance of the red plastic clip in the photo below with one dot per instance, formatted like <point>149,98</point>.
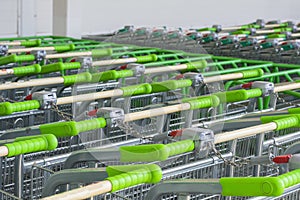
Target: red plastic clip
<point>28,97</point>
<point>92,113</point>
<point>247,85</point>
<point>175,133</point>
<point>282,159</point>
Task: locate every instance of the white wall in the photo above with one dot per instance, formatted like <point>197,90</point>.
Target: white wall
<point>103,15</point>
<point>36,20</point>
<point>99,16</point>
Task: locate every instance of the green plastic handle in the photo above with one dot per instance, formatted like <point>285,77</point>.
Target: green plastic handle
<point>171,85</point>
<point>111,75</point>
<point>283,121</point>
<point>192,66</point>
<point>154,152</point>
<point>253,73</point>
<point>27,70</point>
<point>7,108</point>
<point>238,95</point>
<point>77,78</point>
<point>31,43</point>
<point>72,128</point>
<point>64,48</point>
<point>146,59</point>
<point>55,67</point>
<point>259,186</point>
<point>31,144</point>
<point>125,176</point>
<point>14,58</point>
<point>202,102</point>
<point>144,88</point>
<point>98,53</point>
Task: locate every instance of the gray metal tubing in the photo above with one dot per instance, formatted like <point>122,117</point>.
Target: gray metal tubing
<point>94,155</point>
<point>62,158</point>
<point>293,149</point>
<point>205,186</point>
<point>74,176</point>
<point>282,139</point>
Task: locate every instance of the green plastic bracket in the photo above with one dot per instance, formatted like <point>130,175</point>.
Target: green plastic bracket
<point>55,67</point>
<point>27,70</point>
<point>155,152</point>
<point>7,108</point>
<point>31,144</point>
<point>259,186</point>
<point>125,176</point>
<point>72,128</point>
<point>171,85</point>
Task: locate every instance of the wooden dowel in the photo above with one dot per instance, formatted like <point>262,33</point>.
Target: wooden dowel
<point>264,31</point>
<point>156,112</point>
<point>22,50</point>
<point>88,191</point>
<point>32,83</point>
<point>271,25</point>
<point>295,34</point>
<point>15,43</point>
<point>285,87</point>
<point>231,28</point>
<point>4,72</point>
<point>165,69</point>
<point>245,132</point>
<point>113,62</point>
<point>90,96</point>
<point>224,77</point>
<point>67,55</point>
<point>3,151</point>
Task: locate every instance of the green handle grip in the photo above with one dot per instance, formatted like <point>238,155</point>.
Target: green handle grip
<point>294,110</point>
<point>283,121</point>
<point>273,36</point>
<point>77,78</point>
<point>31,144</point>
<point>252,93</point>
<point>154,152</point>
<point>72,128</point>
<point>64,48</point>
<point>259,186</point>
<point>196,65</point>
<point>27,70</point>
<point>14,58</point>
<point>8,108</point>
<point>253,73</point>
<point>137,89</point>
<point>145,59</point>
<point>180,147</point>
<point>202,102</point>
<point>122,177</point>
<point>31,43</point>
<point>171,85</point>
<point>238,95</point>
<point>111,75</point>
<point>98,53</point>
<point>55,67</point>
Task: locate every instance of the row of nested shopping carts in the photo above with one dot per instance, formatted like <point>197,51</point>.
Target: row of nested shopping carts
<point>276,41</point>
<point>82,119</point>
